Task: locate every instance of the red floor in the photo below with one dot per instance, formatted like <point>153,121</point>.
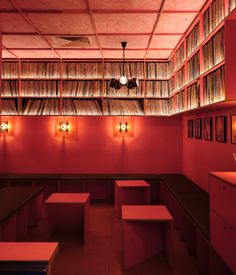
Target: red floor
<point>102,254</point>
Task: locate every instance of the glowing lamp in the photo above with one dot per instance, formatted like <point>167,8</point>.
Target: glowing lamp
<point>64,127</point>
<point>4,126</point>
<point>123,127</point>
<point>123,80</point>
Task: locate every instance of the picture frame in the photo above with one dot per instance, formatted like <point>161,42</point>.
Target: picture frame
<point>190,128</point>
<point>208,128</point>
<point>198,128</point>
<point>233,128</point>
<point>220,128</point>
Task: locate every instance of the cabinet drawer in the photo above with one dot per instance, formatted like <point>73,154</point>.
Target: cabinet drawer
<point>223,239</point>
<point>223,200</point>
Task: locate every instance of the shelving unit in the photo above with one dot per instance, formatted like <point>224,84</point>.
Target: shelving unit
<point>198,73</point>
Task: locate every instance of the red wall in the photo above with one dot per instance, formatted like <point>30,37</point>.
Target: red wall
<point>32,146</point>
<point>200,156</point>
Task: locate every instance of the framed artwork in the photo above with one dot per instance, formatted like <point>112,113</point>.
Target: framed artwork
<point>198,128</point>
<point>233,129</point>
<point>208,128</point>
<point>220,128</point>
<point>190,129</point>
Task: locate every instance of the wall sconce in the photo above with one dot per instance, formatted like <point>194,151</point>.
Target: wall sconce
<point>123,127</point>
<point>4,126</point>
<point>64,127</point>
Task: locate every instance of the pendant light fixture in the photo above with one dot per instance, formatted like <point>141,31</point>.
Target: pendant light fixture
<point>123,81</point>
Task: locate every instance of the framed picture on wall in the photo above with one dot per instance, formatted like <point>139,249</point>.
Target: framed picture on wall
<point>233,129</point>
<point>220,128</point>
<point>198,128</point>
<point>190,128</point>
<point>208,128</point>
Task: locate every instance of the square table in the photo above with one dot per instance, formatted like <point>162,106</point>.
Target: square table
<point>67,212</point>
<point>131,192</point>
<point>30,257</point>
<point>147,231</point>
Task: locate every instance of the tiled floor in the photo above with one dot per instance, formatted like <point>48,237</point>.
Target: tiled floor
<point>102,254</point>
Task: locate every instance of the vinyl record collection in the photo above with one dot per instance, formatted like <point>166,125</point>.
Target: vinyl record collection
<point>180,79</point>
<point>157,88</point>
<point>82,88</point>
<point>180,101</point>
<point>10,70</point>
<point>232,5</point>
<point>193,39</point>
<point>214,86</point>
<point>40,69</point>
<point>41,88</point>
<point>193,96</point>
<point>82,70</point>
<point>122,107</point>
<point>214,50</point>
<point>8,107</point>
<point>213,16</point>
<point>180,56</point>
<point>10,88</point>
<point>131,69</point>
<point>194,67</point>
<point>158,107</point>
<point>158,70</point>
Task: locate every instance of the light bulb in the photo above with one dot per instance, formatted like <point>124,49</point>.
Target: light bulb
<point>64,127</point>
<point>123,80</point>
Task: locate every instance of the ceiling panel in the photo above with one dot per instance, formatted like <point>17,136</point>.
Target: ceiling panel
<point>6,54</point>
<point>5,4</point>
<point>24,41</point>
<point>51,4</point>
<point>86,54</point>
<point>128,54</point>
<point>35,54</point>
<point>157,54</point>
<point>165,41</point>
<point>174,22</point>
<point>133,41</point>
<point>183,5</point>
<point>13,22</point>
<point>125,23</point>
<point>125,4</point>
<point>63,23</point>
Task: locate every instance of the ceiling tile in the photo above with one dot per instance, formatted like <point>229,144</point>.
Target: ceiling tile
<point>5,4</point>
<point>87,54</point>
<point>126,5</point>
<point>133,41</point>
<point>159,54</point>
<point>62,23</point>
<point>24,41</point>
<point>35,53</point>
<point>128,54</point>
<point>6,54</point>
<point>174,22</point>
<point>184,5</point>
<point>165,41</point>
<point>125,23</point>
<point>10,22</point>
<point>52,4</point>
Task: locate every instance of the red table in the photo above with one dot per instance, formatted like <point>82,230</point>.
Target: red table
<point>66,212</point>
<point>27,256</point>
<point>131,192</point>
<point>147,231</point>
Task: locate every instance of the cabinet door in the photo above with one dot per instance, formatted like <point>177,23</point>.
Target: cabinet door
<point>223,199</point>
<point>223,239</point>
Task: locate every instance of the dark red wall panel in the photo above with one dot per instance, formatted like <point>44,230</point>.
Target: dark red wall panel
<point>34,147</point>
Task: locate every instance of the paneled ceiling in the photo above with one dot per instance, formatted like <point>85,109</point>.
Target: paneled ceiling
<point>152,28</point>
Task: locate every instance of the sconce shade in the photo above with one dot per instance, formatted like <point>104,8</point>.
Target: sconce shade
<point>4,126</point>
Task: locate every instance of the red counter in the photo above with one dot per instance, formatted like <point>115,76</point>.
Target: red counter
<point>131,192</point>
<point>67,212</point>
<point>147,231</point>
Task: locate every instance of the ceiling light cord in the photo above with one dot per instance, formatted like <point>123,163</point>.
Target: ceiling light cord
<point>123,43</point>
